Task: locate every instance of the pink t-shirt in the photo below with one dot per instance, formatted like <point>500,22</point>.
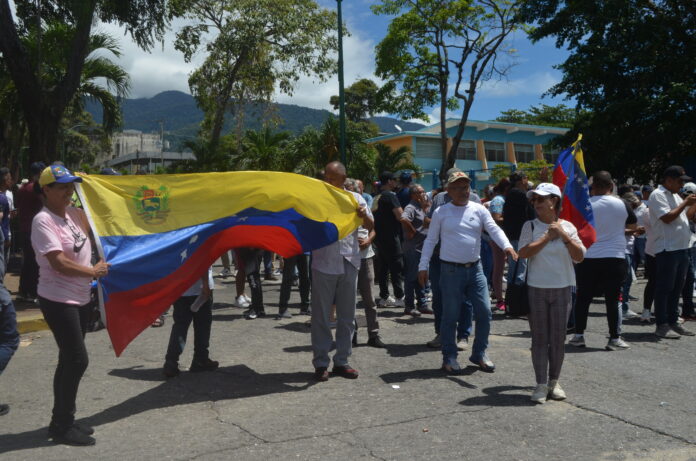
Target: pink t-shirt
<point>50,232</point>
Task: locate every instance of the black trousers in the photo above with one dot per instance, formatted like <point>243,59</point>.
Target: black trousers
<point>390,264</point>
<point>68,323</point>
<point>202,321</point>
<point>603,275</point>
<point>29,276</point>
<point>302,264</point>
<point>649,291</point>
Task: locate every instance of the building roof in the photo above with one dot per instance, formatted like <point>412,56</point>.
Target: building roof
<point>434,130</point>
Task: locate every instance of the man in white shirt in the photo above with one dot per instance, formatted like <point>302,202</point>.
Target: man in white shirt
<point>669,222</point>
<point>458,226</point>
<point>334,281</point>
<point>604,267</point>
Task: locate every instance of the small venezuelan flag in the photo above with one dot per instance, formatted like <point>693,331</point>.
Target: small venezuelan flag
<point>570,176</point>
<point>160,233</point>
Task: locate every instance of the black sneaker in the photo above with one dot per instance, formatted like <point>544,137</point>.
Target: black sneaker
<point>203,365</point>
<point>305,310</point>
<point>376,341</point>
<point>85,429</point>
<point>284,314</point>
<point>73,437</point>
<point>250,314</point>
<point>4,409</point>
<point>170,371</point>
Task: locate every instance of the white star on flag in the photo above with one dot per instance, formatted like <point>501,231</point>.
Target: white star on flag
<point>183,255</point>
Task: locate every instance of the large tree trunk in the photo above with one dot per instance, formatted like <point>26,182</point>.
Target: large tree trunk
<point>460,129</point>
<point>43,136</point>
<point>443,132</point>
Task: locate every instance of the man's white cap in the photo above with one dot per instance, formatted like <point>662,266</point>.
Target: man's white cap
<point>545,188</point>
<point>690,187</point>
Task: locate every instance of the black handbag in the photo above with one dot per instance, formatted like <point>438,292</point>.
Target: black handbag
<point>516,297</point>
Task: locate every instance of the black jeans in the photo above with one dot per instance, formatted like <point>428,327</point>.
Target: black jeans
<point>302,264</point>
<point>29,276</point>
<point>391,263</point>
<point>604,275</point>
<point>202,321</point>
<point>68,322</point>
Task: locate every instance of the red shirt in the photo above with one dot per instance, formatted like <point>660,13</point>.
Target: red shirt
<point>28,204</point>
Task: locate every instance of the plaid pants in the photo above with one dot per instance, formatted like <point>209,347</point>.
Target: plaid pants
<point>549,309</point>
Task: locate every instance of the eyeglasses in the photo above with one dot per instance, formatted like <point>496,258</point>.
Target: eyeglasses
<point>79,239</point>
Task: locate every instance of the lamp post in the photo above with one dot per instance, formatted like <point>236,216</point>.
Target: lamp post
<point>341,95</point>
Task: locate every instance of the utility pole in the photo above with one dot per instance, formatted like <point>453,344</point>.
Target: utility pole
<point>341,95</point>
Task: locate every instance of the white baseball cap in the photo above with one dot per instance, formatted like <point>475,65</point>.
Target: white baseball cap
<point>690,187</point>
<point>545,188</point>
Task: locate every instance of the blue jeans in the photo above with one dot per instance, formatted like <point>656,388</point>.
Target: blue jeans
<point>458,283</point>
<point>688,290</point>
<point>413,291</point>
<point>670,272</point>
<point>9,337</point>
<point>465,319</point>
<point>512,264</point>
<point>639,252</point>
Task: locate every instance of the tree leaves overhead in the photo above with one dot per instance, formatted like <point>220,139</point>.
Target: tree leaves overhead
<point>632,65</point>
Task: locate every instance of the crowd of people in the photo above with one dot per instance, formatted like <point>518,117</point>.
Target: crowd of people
<point>440,253</point>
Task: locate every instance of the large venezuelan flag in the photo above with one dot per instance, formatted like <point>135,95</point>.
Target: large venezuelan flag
<point>570,176</point>
<point>161,232</point>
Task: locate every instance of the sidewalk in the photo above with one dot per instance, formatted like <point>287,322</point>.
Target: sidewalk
<point>29,316</point>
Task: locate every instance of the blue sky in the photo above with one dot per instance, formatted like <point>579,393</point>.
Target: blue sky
<point>533,72</point>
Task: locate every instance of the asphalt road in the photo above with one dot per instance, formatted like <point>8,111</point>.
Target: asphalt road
<point>262,403</point>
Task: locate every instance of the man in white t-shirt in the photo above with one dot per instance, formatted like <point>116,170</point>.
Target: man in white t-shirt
<point>458,226</point>
<point>604,267</point>
<point>669,221</point>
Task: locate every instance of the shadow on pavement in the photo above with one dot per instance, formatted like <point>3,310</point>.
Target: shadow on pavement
<point>408,350</point>
<point>297,327</point>
<point>25,440</point>
<point>641,337</point>
<point>497,396</point>
<point>413,320</point>
<point>227,317</point>
<point>429,373</point>
<point>226,383</point>
<point>579,350</point>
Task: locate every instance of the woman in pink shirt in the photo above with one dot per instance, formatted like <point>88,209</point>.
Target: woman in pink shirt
<point>60,238</point>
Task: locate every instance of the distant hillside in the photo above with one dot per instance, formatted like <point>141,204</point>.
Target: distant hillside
<point>181,116</point>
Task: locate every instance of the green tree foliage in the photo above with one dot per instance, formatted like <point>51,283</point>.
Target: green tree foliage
<point>537,171</point>
<point>43,101</point>
<point>262,150</point>
<point>431,44</point>
<point>363,99</point>
<point>252,47</point>
<point>632,66</point>
<point>393,160</point>
<point>544,115</point>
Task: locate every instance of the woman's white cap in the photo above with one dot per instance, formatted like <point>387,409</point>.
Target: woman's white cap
<point>545,188</point>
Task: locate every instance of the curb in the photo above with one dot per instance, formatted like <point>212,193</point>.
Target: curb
<point>31,323</point>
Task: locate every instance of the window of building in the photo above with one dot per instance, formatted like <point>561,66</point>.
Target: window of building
<point>524,153</point>
<point>495,151</point>
<point>428,148</point>
<point>466,150</point>
<point>551,155</point>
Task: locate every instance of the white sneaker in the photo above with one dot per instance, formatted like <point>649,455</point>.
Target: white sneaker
<point>645,316</point>
<point>577,341</point>
<point>540,393</point>
<point>388,301</point>
<point>463,344</point>
<point>629,314</point>
<point>225,273</point>
<point>617,344</point>
<point>242,302</point>
<point>555,391</point>
<point>399,302</point>
<point>247,299</point>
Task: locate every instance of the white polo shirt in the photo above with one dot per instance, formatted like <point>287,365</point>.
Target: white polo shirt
<point>667,237</point>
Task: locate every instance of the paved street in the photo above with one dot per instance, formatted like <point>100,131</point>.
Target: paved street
<point>261,404</point>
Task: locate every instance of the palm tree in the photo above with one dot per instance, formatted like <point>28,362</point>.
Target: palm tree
<point>394,160</point>
<point>262,150</point>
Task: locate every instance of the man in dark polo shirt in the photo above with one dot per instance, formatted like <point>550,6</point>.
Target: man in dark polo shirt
<point>516,211</point>
<point>387,214</point>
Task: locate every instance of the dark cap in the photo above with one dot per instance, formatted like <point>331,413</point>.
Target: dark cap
<point>676,171</point>
<point>36,168</point>
<point>110,171</point>
<point>386,176</point>
<point>647,188</point>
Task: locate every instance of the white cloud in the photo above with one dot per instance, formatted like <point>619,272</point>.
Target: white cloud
<point>534,85</point>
